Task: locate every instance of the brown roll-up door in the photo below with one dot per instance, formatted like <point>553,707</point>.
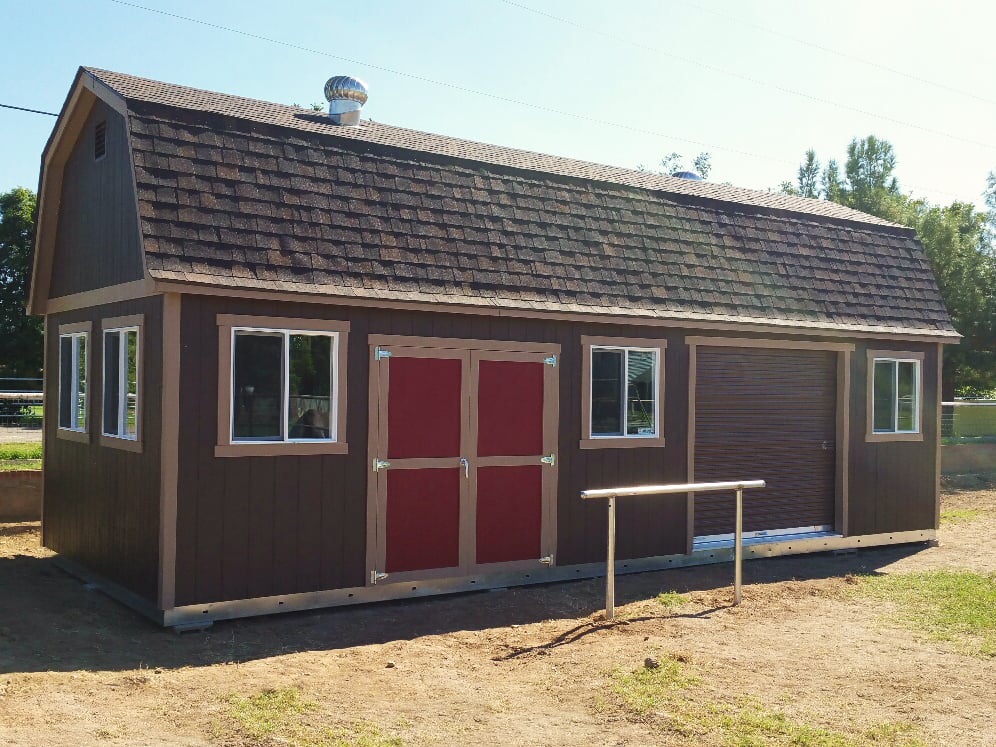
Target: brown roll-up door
<point>765,414</point>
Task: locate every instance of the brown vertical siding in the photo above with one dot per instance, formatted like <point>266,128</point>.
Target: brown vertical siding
<point>97,213</point>
<point>102,504</point>
<point>893,485</point>
<point>259,526</point>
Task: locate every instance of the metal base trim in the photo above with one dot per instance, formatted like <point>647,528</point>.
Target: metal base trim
<point>115,591</point>
<point>386,591</point>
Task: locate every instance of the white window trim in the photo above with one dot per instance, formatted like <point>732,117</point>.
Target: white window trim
<point>625,378</point>
<point>285,389</point>
<point>917,390</point>
<point>75,381</point>
<point>122,374</point>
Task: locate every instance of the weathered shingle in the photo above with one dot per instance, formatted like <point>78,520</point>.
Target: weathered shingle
<point>250,194</point>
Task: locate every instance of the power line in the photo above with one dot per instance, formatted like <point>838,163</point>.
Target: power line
<point>32,111</point>
<point>743,77</point>
<point>454,86</point>
<point>838,53</point>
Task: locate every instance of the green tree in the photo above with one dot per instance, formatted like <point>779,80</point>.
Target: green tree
<point>674,161</point>
<point>809,175</point>
<point>21,340</point>
<point>959,242</point>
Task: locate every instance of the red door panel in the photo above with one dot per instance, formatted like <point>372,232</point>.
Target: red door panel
<point>510,408</point>
<point>424,412</point>
<point>509,513</point>
<point>423,519</point>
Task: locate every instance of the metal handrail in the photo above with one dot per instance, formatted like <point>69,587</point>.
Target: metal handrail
<point>694,487</point>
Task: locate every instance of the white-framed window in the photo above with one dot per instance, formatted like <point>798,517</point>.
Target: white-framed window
<point>120,379</point>
<point>624,392</point>
<point>284,385</point>
<point>895,399</point>
<point>73,359</point>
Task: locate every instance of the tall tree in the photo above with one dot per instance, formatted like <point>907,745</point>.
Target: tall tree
<point>21,340</point>
<point>809,176</point>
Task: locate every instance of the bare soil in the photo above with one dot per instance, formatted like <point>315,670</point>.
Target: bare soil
<point>532,666</point>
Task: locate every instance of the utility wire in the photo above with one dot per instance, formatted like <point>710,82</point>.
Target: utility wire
<point>32,111</point>
<point>838,53</point>
<point>743,77</point>
<point>454,86</point>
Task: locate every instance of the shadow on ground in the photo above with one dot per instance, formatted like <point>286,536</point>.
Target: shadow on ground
<point>50,621</point>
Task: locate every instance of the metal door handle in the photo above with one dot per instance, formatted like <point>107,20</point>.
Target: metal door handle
<point>465,463</point>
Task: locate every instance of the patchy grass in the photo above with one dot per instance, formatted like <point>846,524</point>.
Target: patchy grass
<point>284,717</point>
<point>20,451</point>
<point>960,515</point>
<point>672,599</point>
<point>15,465</point>
<point>645,690</point>
<point>668,694</point>
<point>958,606</point>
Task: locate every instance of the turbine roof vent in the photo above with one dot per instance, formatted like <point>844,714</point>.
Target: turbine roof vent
<point>346,96</point>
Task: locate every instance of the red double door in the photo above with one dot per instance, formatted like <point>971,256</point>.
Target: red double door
<point>463,459</point>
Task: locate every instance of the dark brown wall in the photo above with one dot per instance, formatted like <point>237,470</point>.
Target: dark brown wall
<point>893,484</point>
<point>96,243</point>
<point>101,504</point>
<point>259,526</point>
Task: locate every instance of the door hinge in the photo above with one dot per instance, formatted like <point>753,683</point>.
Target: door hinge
<point>551,460</point>
<point>379,464</point>
<point>380,353</point>
<point>548,560</point>
<point>551,361</point>
<point>376,576</point>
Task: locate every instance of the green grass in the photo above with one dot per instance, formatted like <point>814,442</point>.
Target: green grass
<point>20,451</point>
<point>960,515</point>
<point>671,599</point>
<point>645,690</point>
<point>20,464</point>
<point>957,606</point>
<point>284,717</point>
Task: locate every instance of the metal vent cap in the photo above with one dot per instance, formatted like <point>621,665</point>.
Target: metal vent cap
<point>346,88</point>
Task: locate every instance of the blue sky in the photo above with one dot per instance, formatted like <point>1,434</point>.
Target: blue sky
<point>747,81</point>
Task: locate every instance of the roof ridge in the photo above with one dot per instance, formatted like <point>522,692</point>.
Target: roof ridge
<point>137,88</point>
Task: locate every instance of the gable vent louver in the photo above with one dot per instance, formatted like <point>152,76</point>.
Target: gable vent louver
<point>99,141</point>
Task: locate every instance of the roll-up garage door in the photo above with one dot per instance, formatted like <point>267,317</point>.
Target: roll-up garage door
<point>766,414</point>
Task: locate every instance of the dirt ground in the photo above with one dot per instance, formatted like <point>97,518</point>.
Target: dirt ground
<point>533,666</point>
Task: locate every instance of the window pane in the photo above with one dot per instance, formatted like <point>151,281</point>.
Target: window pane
<point>65,382</point>
<point>907,396</point>
<point>606,392</point>
<point>131,374</point>
<point>79,414</point>
<point>884,396</point>
<point>256,391</point>
<point>309,409</point>
<point>112,382</point>
<point>640,405</point>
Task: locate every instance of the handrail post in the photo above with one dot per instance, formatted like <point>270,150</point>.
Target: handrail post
<point>738,540</point>
<point>610,570</point>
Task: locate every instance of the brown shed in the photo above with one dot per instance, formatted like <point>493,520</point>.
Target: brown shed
<point>292,363</point>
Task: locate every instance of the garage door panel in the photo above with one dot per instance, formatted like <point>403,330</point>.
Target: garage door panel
<point>767,415</point>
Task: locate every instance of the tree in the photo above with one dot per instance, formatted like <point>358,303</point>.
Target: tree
<point>959,242</point>
<point>673,162</point>
<point>809,174</point>
<point>21,340</point>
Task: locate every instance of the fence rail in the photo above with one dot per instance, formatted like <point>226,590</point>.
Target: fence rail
<point>969,419</point>
<point>694,487</point>
<point>21,402</point>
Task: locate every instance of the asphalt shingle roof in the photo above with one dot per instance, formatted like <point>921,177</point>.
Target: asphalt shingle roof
<point>237,192</point>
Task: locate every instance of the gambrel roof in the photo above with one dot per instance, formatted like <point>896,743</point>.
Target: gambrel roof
<point>244,194</point>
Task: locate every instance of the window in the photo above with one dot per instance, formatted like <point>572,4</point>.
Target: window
<point>121,353</point>
<point>73,360</point>
<point>894,395</point>
<point>622,402</point>
<point>281,386</point>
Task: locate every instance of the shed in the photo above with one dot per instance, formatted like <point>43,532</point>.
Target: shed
<point>293,364</point>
